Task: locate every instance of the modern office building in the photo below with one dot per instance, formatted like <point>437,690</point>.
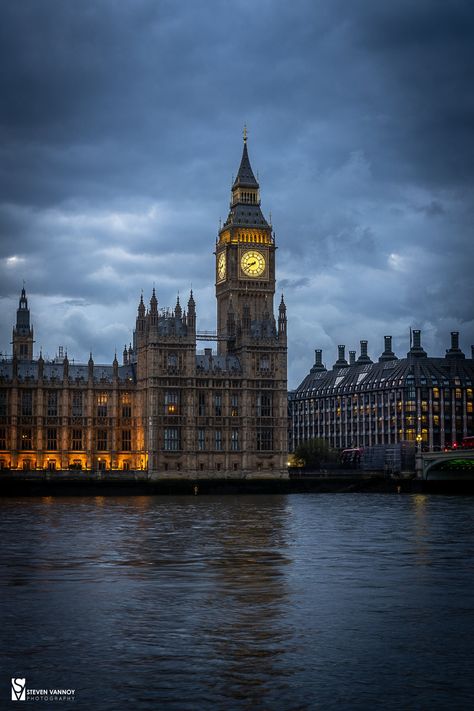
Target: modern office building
<point>361,403</point>
<point>166,408</point>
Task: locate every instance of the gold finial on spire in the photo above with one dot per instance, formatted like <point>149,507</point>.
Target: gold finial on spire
<point>245,133</point>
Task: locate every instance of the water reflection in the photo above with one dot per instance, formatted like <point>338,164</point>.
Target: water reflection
<point>275,602</point>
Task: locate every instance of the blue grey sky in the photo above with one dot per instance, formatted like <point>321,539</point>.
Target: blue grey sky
<point>121,127</point>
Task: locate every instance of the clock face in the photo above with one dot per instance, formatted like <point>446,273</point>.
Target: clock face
<point>252,263</point>
<point>221,266</point>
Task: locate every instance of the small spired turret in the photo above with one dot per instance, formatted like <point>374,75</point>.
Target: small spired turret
<point>90,368</point>
<point>178,312</point>
<point>282,318</point>
<point>22,340</point>
<point>153,313</point>
<point>191,315</point>
<point>115,366</point>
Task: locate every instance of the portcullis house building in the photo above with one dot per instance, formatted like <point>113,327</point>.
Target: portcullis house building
<point>166,408</point>
<point>362,403</point>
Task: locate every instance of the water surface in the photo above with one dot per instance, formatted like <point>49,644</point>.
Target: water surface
<point>347,601</point>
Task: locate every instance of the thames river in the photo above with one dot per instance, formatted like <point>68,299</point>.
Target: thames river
<point>312,601</point>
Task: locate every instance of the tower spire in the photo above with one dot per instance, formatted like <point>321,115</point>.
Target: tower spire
<point>245,177</point>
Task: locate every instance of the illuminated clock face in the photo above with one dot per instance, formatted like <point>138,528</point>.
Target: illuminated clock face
<point>252,263</point>
<point>221,266</point>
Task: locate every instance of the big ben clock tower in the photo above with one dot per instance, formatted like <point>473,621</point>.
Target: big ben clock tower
<point>245,259</point>
<point>252,343</point>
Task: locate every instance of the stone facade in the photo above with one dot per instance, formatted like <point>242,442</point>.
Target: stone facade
<point>166,409</point>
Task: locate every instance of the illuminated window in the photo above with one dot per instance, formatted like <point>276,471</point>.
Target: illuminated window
<point>171,402</point>
<point>26,439</point>
<point>126,403</point>
<point>234,405</point>
<point>102,400</point>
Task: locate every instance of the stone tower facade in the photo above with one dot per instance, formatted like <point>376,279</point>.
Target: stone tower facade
<point>22,340</point>
<point>167,409</point>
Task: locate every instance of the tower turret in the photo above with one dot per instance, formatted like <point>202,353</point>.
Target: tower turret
<point>282,318</point>
<point>191,318</point>
<point>22,340</point>
<point>153,313</point>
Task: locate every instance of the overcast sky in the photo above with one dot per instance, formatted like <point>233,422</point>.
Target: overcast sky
<point>121,127</point>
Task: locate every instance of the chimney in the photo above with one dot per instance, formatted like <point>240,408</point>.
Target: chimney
<point>363,358</point>
<point>388,354</point>
<point>416,349</point>
<point>318,361</point>
<point>352,357</point>
<point>341,361</point>
<point>454,351</point>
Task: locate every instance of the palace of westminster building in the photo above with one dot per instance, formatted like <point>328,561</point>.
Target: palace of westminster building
<point>172,411</point>
<point>166,409</point>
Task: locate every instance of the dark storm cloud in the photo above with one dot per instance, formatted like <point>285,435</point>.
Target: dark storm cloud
<point>120,130</point>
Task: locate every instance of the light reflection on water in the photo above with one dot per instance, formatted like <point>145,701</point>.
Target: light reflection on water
<point>298,602</point>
